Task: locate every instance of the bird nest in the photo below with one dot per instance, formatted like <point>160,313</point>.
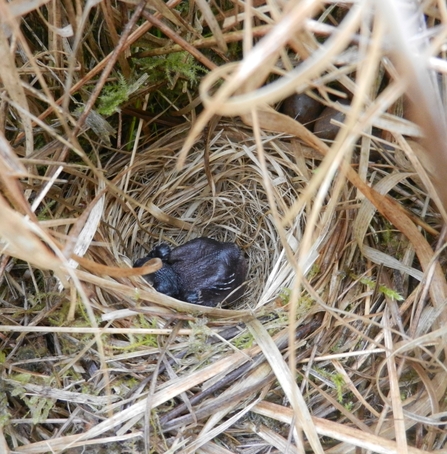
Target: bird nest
<point>225,200</point>
<point>340,329</point>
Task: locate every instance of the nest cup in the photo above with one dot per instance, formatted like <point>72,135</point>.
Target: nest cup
<point>238,211</point>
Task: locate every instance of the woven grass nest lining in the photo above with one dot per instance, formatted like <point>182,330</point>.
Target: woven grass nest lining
<point>238,212</point>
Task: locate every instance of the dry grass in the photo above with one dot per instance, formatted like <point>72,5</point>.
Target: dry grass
<point>338,343</point>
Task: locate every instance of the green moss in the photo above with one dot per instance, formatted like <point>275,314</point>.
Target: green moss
<point>337,379</point>
<point>137,341</point>
<point>284,295</point>
<point>198,338</point>
<point>5,414</point>
<point>393,243</point>
<point>39,300</point>
<point>40,407</point>
<point>116,94</point>
<point>136,297</point>
<point>146,339</point>
<point>390,293</point>
<point>113,95</point>
<point>172,66</point>
<point>339,383</point>
<point>283,317</point>
<point>140,340</point>
<point>304,303</point>
<point>21,378</point>
<point>338,346</point>
<point>243,341</point>
<point>314,271</point>
<point>349,405</point>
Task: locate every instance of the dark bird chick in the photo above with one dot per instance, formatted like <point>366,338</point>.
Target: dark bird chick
<point>202,271</point>
<point>165,280</point>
